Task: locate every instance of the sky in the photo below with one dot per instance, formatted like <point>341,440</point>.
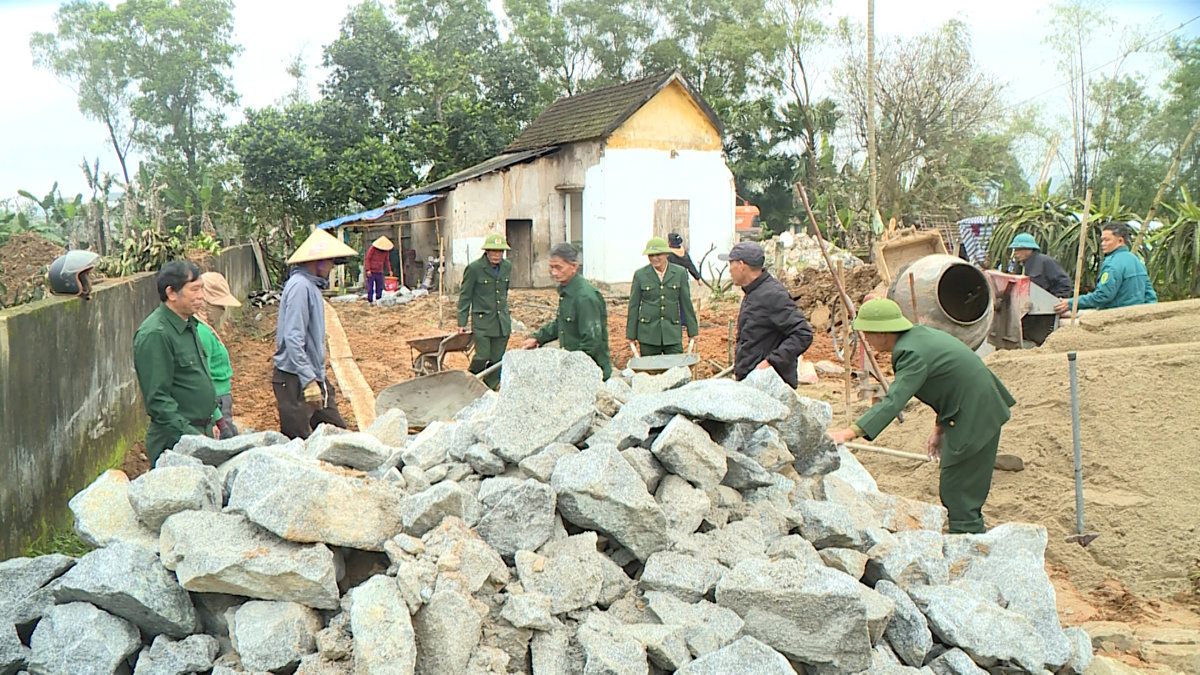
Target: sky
<point>44,137</point>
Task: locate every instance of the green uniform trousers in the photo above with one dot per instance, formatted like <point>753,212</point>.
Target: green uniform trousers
<point>488,351</point>
<point>964,486</point>
<point>655,350</point>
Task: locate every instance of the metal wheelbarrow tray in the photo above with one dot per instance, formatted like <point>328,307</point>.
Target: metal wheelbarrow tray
<point>432,397</point>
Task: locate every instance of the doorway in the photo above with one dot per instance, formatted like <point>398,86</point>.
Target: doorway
<point>520,242</point>
<point>671,215</point>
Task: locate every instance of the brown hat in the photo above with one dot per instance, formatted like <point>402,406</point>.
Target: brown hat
<point>216,290</point>
<point>320,245</point>
<point>383,244</point>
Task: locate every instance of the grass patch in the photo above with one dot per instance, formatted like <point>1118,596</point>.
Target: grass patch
<point>64,542</point>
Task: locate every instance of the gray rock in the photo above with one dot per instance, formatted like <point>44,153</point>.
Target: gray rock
<point>213,611</point>
<point>665,645</point>
<point>706,627</point>
<point>795,547</point>
<point>645,383</point>
<point>483,461</point>
<point>619,388</point>
<point>1081,650</point>
<point>683,506</point>
<point>909,559</point>
<point>194,654</point>
<point>811,614</point>
<point>422,512</point>
<point>582,547</point>
<point>354,449</point>
<point>170,458</point>
<point>598,490</point>
<point>225,553</point>
<point>480,408</point>
<point>685,450</point>
<point>384,641</point>
<point>907,633</point>
<point>274,635</point>
<point>447,630</point>
<point>746,655</point>
<point>743,473</point>
<point>540,466</point>
<point>430,447</point>
<point>766,447</point>
<point>730,545</point>
<point>879,608</point>
<point>830,525</point>
<point>803,430</point>
<point>522,518</point>
<point>571,581</point>
<point>611,654</point>
<point>415,479</point>
<point>80,638</point>
<point>853,472</point>
<point>103,514</point>
<point>551,653</point>
<point>129,581</point>
<point>845,560</point>
<point>22,577</point>
<point>987,633</point>
<point>215,452</point>
<point>160,493</point>
<point>1012,556</point>
<point>308,503</point>
<point>14,656</point>
<point>955,662</point>
<point>529,610</point>
<point>334,641</point>
<point>390,428</point>
<point>898,514</point>
<point>459,549</point>
<point>684,576</point>
<point>492,490</point>
<point>317,664</point>
<point>546,396</point>
<point>646,465</point>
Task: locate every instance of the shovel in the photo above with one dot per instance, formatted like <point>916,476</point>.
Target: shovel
<point>1080,537</point>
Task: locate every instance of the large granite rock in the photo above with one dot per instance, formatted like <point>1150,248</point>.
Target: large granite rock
<point>216,452</point>
<point>103,514</point>
<point>14,656</point>
<point>129,581</point>
<point>353,449</point>
<point>274,635</point>
<point>390,428</point>
<point>384,641</point>
<point>814,615</point>
<point>608,650</point>
<point>430,447</point>
<point>546,396</point>
<point>520,517</point>
<point>447,630</point>
<point>803,430</point>
<point>686,577</point>
<point>684,506</point>
<point>909,559</point>
<point>80,638</point>
<point>598,490</point>
<point>540,466</point>
<point>422,512</point>
<point>226,553</point>
<point>908,632</point>
<point>706,627</point>
<point>645,383</point>
<point>685,449</point>
<point>899,514</point>
<point>307,502</point>
<point>20,578</point>
<point>160,493</point>
<point>165,656</point>
<point>746,655</point>
<point>989,634</point>
<point>743,473</point>
<point>571,580</point>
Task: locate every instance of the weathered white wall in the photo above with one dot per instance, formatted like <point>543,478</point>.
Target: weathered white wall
<point>618,206</point>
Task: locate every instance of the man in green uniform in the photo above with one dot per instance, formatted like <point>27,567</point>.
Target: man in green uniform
<point>172,368</point>
<point>582,320</point>
<point>659,301</point>
<point>483,300</point>
<point>1123,280</point>
<point>970,401</point>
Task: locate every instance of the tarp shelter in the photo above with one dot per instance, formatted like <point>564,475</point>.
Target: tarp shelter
<point>974,235</point>
<point>388,215</point>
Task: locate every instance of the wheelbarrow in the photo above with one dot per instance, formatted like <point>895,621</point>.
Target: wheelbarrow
<point>429,353</point>
<point>430,398</point>
<point>661,363</point>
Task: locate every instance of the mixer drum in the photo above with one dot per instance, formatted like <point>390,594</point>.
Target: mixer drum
<point>952,295</point>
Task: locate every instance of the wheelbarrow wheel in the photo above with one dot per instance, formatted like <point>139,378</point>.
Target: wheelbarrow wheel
<point>426,364</point>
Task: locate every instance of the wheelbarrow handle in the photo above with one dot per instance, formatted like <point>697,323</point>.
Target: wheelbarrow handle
<point>489,370</point>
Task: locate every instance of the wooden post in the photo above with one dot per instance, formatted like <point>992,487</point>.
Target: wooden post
<point>845,348</point>
<point>1087,210</point>
<point>441,262</point>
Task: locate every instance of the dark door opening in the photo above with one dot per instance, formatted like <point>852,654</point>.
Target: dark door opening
<point>520,242</point>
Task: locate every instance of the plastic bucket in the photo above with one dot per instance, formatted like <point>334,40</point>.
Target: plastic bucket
<point>391,283</point>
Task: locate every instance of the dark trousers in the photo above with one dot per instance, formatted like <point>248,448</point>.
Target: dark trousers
<point>964,486</point>
<point>298,418</point>
<point>655,350</point>
<point>488,351</point>
<point>374,286</point>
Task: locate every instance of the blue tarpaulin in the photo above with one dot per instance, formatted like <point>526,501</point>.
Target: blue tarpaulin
<point>376,214</point>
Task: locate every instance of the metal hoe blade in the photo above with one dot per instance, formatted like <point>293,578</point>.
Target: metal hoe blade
<point>1080,537</point>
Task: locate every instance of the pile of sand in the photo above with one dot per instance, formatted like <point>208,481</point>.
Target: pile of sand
<point>1140,417</point>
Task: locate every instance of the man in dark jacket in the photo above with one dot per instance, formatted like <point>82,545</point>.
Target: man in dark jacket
<point>679,255</point>
<point>772,333</point>
<point>1039,267</point>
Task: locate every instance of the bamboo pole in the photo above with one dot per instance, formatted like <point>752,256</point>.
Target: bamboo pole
<point>872,158</point>
<point>1087,210</point>
<point>845,349</point>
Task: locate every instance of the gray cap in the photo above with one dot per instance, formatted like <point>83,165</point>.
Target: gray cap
<point>746,251</point>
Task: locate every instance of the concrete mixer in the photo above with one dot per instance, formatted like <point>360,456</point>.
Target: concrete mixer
<point>972,304</point>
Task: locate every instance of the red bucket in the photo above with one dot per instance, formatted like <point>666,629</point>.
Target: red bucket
<point>391,283</point>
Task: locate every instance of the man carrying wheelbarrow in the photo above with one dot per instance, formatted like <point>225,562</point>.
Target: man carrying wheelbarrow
<point>660,305</point>
<point>483,299</point>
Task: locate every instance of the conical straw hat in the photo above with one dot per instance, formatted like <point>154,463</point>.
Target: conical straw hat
<point>383,244</point>
<point>320,245</point>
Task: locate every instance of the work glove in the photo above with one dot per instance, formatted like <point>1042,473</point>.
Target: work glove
<point>313,394</point>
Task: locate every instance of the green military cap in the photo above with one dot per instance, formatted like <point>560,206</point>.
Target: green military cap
<point>495,242</point>
<point>1024,240</point>
<point>656,246</point>
<point>881,316</point>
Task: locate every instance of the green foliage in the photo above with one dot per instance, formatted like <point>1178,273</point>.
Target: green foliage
<point>147,252</point>
<point>203,243</point>
<point>63,542</point>
<point>1174,259</point>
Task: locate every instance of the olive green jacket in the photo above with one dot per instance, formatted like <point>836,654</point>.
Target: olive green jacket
<point>970,401</point>
<point>483,298</point>
<point>172,372</point>
<point>657,308</point>
<point>581,323</point>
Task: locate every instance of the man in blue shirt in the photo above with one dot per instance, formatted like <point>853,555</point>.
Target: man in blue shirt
<point>1123,280</point>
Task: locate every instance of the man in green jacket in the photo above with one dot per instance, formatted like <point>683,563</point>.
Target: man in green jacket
<point>483,301</point>
<point>1123,279</point>
<point>171,366</point>
<point>582,320</point>
<point>659,301</point>
<point>970,401</point>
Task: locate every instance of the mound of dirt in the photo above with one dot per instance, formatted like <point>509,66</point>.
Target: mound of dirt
<point>23,262</point>
<point>1140,431</point>
<point>812,288</point>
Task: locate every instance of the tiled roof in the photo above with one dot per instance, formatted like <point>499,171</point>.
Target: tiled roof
<point>494,164</point>
<point>597,113</point>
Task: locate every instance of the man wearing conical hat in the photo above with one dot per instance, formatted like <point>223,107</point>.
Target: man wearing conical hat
<point>483,303</point>
<point>373,265</point>
<point>970,401</point>
<point>302,394</point>
<point>660,305</point>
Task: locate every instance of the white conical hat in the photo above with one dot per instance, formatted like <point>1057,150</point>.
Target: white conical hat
<point>320,245</point>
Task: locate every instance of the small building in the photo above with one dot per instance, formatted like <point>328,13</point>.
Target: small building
<point>605,170</point>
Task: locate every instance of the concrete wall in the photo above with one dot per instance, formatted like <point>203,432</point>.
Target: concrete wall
<point>69,400</point>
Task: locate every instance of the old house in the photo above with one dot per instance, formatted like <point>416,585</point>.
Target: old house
<point>605,170</point>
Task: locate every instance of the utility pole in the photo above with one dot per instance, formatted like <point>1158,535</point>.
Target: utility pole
<point>872,160</point>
